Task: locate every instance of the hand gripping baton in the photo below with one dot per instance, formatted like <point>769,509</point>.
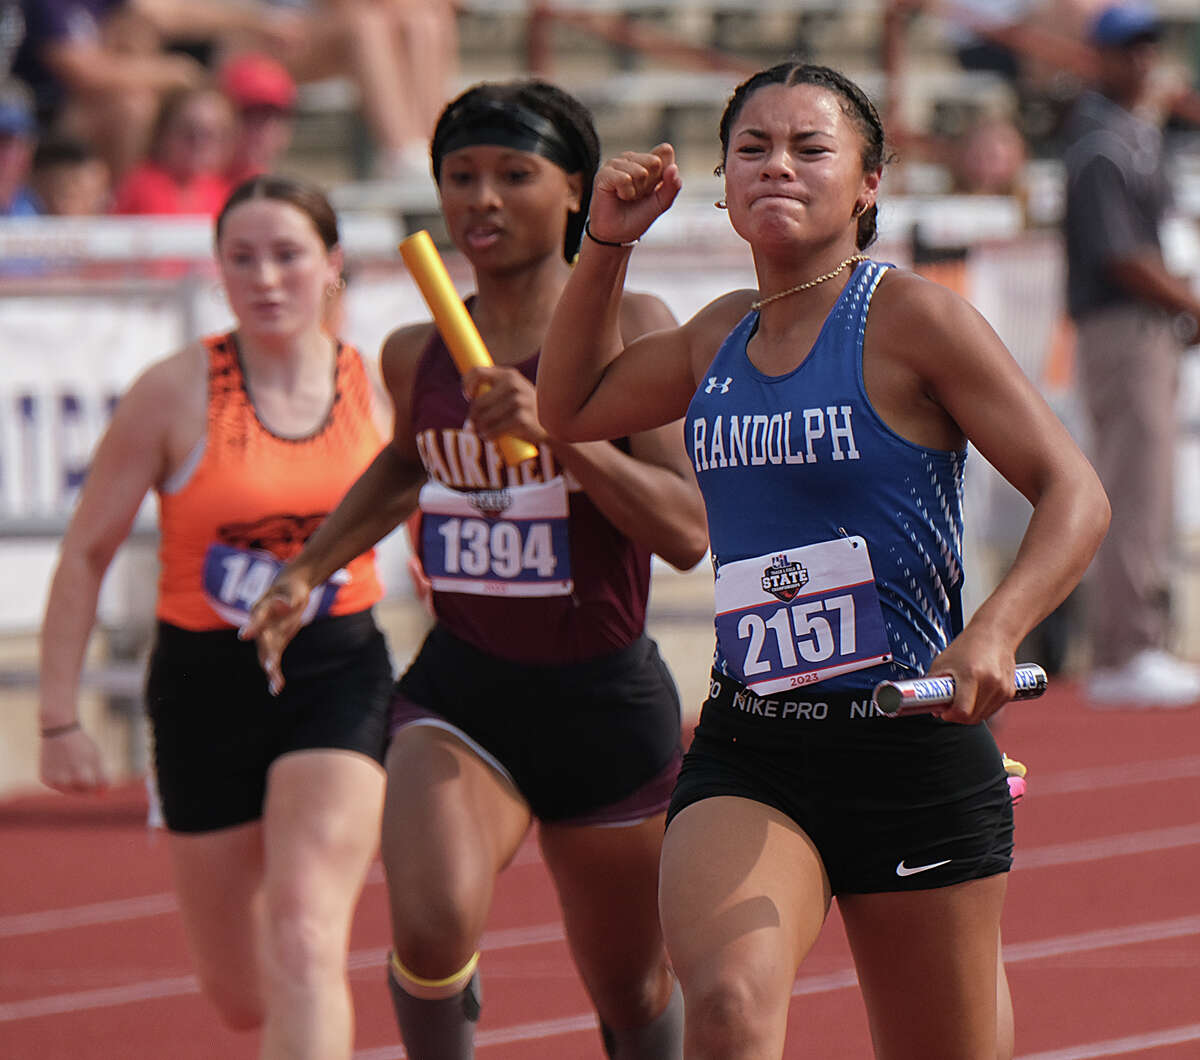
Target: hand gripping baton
<point>923,695</point>
<point>458,330</point>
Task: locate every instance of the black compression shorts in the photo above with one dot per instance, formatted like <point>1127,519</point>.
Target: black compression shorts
<point>217,729</point>
<point>586,742</point>
<point>892,804</point>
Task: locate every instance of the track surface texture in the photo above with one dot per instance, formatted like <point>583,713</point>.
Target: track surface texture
<point>1102,924</point>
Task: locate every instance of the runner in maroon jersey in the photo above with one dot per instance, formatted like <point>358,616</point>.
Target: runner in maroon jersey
<point>537,695</point>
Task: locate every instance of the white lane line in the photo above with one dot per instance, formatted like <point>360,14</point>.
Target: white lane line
<point>510,938</point>
<point>576,1024</point>
<point>1085,850</point>
<point>1102,939</point>
<point>84,915</point>
<point>1035,857</point>
<point>1096,778</point>
<point>174,986</point>
<point>1134,1043</point>
<point>820,984</point>
<point>1053,854</point>
<point>1040,949</point>
<point>521,1032</point>
<point>1063,782</point>
<point>121,909</point>
<point>55,1005</point>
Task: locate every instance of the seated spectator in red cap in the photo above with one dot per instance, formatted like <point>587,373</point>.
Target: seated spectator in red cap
<point>18,134</point>
<point>189,153</point>
<point>264,96</point>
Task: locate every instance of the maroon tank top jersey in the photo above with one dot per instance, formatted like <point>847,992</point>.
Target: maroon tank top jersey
<point>523,564</point>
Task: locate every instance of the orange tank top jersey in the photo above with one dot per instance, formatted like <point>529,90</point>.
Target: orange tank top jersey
<point>251,499</point>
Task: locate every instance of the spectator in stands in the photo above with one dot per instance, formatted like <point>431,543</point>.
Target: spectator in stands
<point>1133,320</point>
<point>976,50</point>
<point>18,134</point>
<point>69,177</point>
<point>99,67</point>
<point>1033,45</point>
<point>264,96</point>
<point>189,155</point>
<point>969,28</point>
<point>401,55</point>
<point>990,158</point>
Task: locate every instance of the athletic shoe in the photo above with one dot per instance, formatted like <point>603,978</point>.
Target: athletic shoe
<point>1152,678</point>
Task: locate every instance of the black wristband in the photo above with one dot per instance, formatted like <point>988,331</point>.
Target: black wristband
<point>587,231</point>
<point>60,730</point>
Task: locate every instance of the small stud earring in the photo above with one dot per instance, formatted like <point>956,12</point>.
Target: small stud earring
<point>720,204</point>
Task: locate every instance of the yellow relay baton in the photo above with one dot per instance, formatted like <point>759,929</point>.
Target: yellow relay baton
<point>458,330</point>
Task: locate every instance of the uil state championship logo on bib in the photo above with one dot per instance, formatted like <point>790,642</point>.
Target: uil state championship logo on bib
<point>491,504</point>
<point>784,580</point>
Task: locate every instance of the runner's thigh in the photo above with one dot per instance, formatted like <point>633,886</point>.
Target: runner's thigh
<point>743,896</point>
<point>607,882</point>
<point>927,964</point>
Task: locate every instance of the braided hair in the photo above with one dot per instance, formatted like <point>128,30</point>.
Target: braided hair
<point>855,105</point>
<point>572,125</point>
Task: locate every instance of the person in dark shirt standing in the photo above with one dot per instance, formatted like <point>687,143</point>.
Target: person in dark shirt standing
<point>1133,318</point>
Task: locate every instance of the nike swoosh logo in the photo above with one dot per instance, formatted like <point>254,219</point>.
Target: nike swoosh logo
<point>904,870</point>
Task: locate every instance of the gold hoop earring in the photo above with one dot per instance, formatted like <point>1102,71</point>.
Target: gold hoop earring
<point>720,204</point>
<point>860,211</point>
<point>337,286</point>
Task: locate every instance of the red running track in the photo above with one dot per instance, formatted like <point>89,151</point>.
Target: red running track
<point>1102,926</point>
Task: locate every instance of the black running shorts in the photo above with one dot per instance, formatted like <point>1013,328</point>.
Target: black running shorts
<point>892,804</point>
<point>592,742</point>
<point>217,729</point>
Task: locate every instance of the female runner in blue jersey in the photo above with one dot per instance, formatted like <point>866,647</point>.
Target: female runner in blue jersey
<point>827,420</point>
<point>537,694</point>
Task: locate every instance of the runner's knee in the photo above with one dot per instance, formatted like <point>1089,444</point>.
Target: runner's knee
<point>302,943</point>
<point>631,997</point>
<point>728,1014</point>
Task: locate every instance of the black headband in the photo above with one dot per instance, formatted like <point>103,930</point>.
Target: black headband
<point>510,125</point>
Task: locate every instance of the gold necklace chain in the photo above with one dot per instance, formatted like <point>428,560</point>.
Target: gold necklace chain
<point>811,283</point>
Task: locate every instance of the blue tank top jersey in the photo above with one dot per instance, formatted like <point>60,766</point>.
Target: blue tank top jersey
<point>799,474</point>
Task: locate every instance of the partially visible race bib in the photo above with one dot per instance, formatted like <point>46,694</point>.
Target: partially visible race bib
<point>800,616</point>
<point>235,579</point>
<point>503,542</point>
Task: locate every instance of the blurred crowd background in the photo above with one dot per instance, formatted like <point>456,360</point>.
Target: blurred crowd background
<point>155,106</point>
<point>124,123</point>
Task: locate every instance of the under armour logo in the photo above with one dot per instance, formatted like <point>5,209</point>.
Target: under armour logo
<point>714,384</point>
